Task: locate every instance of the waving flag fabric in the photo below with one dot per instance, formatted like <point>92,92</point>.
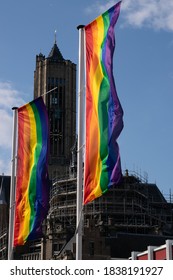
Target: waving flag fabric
<point>104,114</point>
<point>32,183</point>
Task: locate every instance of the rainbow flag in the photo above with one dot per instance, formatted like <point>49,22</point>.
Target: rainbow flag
<point>104,114</point>
<point>32,183</point>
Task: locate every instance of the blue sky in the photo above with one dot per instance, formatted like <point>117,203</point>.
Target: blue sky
<point>143,71</point>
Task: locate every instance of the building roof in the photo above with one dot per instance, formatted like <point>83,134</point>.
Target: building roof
<point>55,53</point>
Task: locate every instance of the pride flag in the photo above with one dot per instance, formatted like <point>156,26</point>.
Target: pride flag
<point>104,114</point>
<point>32,183</point>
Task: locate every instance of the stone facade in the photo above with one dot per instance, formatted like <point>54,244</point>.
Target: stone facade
<point>55,79</point>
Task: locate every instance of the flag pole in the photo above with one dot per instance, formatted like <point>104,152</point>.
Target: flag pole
<point>12,187</point>
<point>79,202</point>
<point>49,91</point>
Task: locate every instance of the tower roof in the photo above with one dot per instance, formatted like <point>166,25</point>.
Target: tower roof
<point>55,53</point>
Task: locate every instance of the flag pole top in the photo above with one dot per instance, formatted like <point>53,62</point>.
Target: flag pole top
<point>80,26</point>
<point>14,108</point>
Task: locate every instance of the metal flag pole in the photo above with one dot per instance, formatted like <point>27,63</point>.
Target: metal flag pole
<point>49,91</point>
<point>12,187</point>
<point>81,76</point>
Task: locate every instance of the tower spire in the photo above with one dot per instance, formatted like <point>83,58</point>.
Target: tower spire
<point>55,52</point>
<point>55,37</point>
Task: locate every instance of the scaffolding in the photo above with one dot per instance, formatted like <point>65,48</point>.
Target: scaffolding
<point>3,244</point>
<point>135,206</point>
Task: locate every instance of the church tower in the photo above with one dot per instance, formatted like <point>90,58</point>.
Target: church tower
<point>55,79</point>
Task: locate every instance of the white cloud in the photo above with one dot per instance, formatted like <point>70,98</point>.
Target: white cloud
<point>5,166</point>
<point>156,14</point>
<point>6,129</point>
<point>9,97</point>
<point>99,8</point>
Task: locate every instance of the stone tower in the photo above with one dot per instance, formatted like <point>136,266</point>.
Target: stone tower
<point>55,79</point>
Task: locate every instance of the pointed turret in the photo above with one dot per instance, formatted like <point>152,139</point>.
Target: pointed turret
<point>55,53</point>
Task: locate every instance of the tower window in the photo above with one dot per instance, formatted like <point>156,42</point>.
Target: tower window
<point>54,100</point>
<point>57,82</point>
<point>52,81</point>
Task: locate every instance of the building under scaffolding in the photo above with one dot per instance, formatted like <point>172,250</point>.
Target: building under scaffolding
<point>127,218</point>
<point>135,209</point>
